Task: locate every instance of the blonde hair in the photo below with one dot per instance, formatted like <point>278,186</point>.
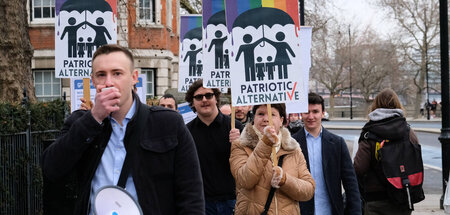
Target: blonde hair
<point>388,99</point>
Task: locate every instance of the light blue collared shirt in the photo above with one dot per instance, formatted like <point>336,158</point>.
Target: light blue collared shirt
<point>322,203</point>
<point>110,167</point>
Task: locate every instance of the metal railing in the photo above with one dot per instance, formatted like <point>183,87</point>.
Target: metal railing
<point>21,183</point>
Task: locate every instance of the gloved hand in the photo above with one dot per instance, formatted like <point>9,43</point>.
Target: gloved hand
<point>234,135</point>
<point>278,177</point>
<point>270,137</point>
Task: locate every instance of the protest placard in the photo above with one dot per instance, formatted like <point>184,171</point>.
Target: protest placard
<point>190,64</point>
<point>186,112</point>
<point>270,53</point>
<point>76,91</point>
<point>216,46</point>
<point>81,26</point>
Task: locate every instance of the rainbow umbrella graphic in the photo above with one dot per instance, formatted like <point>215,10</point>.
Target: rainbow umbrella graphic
<point>195,33</point>
<point>271,17</point>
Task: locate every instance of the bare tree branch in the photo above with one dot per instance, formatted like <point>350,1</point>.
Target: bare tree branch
<point>417,19</point>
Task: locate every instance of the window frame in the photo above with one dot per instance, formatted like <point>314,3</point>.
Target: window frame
<point>42,21</point>
<point>54,81</point>
<point>151,81</point>
<point>156,9</point>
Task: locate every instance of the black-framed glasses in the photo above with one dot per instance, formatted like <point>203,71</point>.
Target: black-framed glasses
<point>199,97</point>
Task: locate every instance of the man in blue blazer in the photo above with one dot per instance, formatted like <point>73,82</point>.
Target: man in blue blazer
<point>330,165</point>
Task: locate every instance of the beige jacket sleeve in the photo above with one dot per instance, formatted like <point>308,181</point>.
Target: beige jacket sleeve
<point>247,170</point>
<point>298,187</point>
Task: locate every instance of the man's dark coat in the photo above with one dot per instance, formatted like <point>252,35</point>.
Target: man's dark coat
<point>337,167</point>
<point>165,168</point>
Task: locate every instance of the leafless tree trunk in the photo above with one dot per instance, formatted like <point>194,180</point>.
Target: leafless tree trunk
<point>329,61</point>
<point>15,52</point>
<point>374,63</point>
<point>419,27</point>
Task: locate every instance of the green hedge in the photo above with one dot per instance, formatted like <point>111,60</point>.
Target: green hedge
<point>44,116</point>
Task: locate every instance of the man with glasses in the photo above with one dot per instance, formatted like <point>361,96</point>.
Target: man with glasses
<point>211,130</point>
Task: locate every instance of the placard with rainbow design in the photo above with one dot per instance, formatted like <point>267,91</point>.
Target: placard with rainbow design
<point>190,64</point>
<point>216,45</point>
<point>269,53</point>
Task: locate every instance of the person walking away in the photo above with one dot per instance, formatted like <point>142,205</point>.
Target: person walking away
<point>387,120</point>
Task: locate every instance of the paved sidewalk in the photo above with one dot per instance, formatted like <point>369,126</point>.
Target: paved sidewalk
<point>428,206</point>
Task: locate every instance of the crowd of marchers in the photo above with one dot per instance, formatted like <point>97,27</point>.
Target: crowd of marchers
<point>292,165</point>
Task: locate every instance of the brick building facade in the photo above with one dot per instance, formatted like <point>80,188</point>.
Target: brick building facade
<point>149,28</point>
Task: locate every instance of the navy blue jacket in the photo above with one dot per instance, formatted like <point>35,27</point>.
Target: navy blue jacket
<point>165,168</point>
<point>337,168</point>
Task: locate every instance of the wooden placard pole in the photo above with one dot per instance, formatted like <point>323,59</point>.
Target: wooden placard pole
<point>87,91</point>
<point>233,117</point>
<point>274,150</point>
<point>233,113</point>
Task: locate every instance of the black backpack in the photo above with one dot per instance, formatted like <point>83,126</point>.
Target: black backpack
<point>402,166</point>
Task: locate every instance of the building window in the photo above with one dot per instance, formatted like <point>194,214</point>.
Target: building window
<point>146,11</point>
<point>43,10</point>
<point>47,87</point>
<point>150,73</point>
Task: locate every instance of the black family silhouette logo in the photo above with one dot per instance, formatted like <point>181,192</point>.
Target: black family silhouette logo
<point>280,60</point>
<point>82,27</point>
<point>192,57</point>
<point>265,44</point>
<point>217,53</point>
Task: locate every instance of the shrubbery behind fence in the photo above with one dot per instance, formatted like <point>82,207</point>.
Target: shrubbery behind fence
<point>25,130</point>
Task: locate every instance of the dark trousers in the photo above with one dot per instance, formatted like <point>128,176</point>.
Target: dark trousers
<point>384,207</point>
<point>220,207</point>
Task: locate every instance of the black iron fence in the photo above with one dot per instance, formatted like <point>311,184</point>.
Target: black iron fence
<point>21,183</point>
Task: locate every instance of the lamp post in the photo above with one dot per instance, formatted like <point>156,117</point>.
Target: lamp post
<point>350,70</point>
<point>302,12</point>
<point>444,138</point>
<point>426,75</point>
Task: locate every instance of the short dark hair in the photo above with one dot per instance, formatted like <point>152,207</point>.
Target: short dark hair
<point>194,87</point>
<point>316,99</point>
<point>281,108</point>
<point>224,105</point>
<point>110,48</point>
<point>170,96</point>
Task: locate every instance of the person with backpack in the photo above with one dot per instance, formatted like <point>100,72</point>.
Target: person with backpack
<point>388,162</point>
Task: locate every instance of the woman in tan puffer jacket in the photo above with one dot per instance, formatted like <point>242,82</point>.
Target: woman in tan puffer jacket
<point>251,166</point>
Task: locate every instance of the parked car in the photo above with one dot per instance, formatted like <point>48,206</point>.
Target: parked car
<point>326,117</point>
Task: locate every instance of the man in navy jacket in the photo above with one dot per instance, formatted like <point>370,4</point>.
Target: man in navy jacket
<point>330,165</point>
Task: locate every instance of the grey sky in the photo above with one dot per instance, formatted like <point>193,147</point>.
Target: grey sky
<point>360,13</point>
